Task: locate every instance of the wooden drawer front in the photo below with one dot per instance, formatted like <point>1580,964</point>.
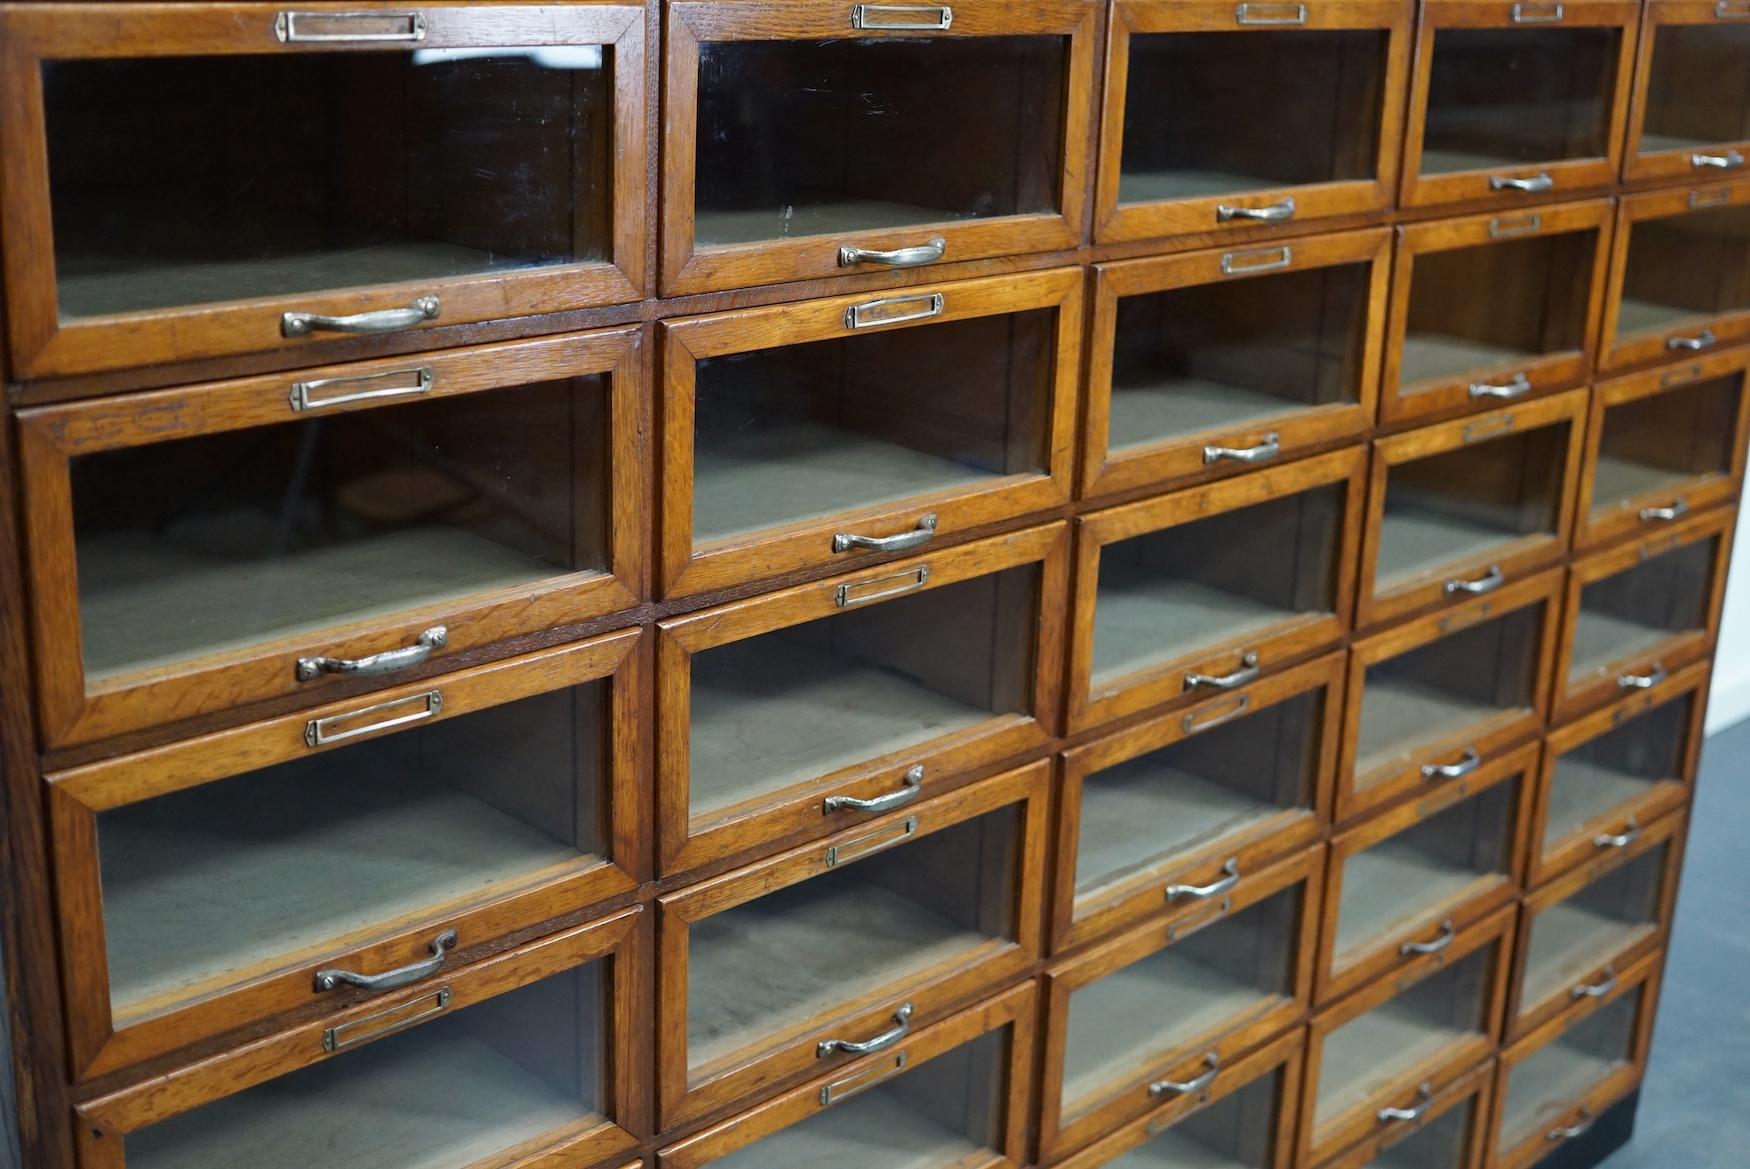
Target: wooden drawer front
<point>1661,445</point>
<point>1677,283</point>
<point>952,1096</point>
<point>1448,1130</point>
<point>1511,102</point>
<point>780,970</point>
<point>1554,1082</point>
<point>1460,510</point>
<point>1491,308</point>
<point>1242,1115</point>
<point>1443,695</point>
<point>1221,789</point>
<point>1581,932</point>
<point>1616,769</point>
<point>816,435</point>
<point>980,148</point>
<point>199,549</point>
<point>1209,363</point>
<point>1406,882</point>
<point>802,712</point>
<point>1187,595</point>
<point>207,884</point>
<point>530,1057</point>
<point>1690,115</point>
<point>1249,120</point>
<point>1145,1017</point>
<point>1402,1040</point>
<point>471,163</point>
<point>1641,611</point>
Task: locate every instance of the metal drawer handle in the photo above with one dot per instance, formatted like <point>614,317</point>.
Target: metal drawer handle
<point>298,28</point>
<point>927,252</point>
<point>330,978</point>
<point>1538,13</point>
<point>1424,1097</point>
<point>1646,681</point>
<point>910,785</point>
<point>1213,889</point>
<point>383,320</point>
<point>1273,213</point>
<point>1259,260</point>
<point>1531,186</point>
<point>1678,507</point>
<point>1569,1132</point>
<point>1268,14</point>
<point>1211,1060</point>
<point>917,17</point>
<point>1467,763</point>
<point>1447,933</point>
<point>1486,583</point>
<point>396,383</point>
<point>1702,340</point>
<point>1596,990</point>
<point>900,1029</point>
<point>386,662</point>
<point>1269,448</point>
<point>1631,832</point>
<point>895,310</point>
<point>1515,387</point>
<point>1730,160</point>
<point>926,529</point>
<point>1247,671</point>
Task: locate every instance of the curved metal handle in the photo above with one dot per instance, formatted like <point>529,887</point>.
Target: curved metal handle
<point>1568,1132</point>
<point>1267,449</point>
<point>1644,681</point>
<point>1596,990</point>
<point>383,320</point>
<point>1211,1060</point>
<point>1247,671</point>
<point>391,979</point>
<point>1447,933</point>
<point>1486,583</point>
<point>926,529</point>
<point>1424,1098</point>
<point>1730,160</point>
<point>1631,832</point>
<point>1467,763</point>
<point>1678,507</point>
<point>1531,186</point>
<point>1702,340</point>
<point>1273,213</point>
<point>927,252</point>
<point>1214,888</point>
<point>901,1027</point>
<point>386,662</point>
<point>910,785</point>
<point>1515,387</point>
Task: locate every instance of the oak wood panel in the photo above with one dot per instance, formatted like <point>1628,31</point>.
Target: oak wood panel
<point>1662,162</point>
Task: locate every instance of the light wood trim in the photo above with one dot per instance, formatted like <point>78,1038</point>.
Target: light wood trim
<point>1666,166</point>
<point>1476,1089</point>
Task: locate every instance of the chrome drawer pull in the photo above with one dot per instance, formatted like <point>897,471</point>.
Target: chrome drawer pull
<point>1531,186</point>
<point>900,1029</point>
<point>301,28</point>
<point>845,541</point>
<point>1447,933</point>
<point>396,1018</point>
<point>383,320</point>
<point>1631,832</point>
<point>910,785</point>
<point>1269,14</point>
<point>1569,1132</point>
<point>1273,213</point>
<point>1467,763</point>
<point>859,592</point>
<point>1486,583</point>
<point>1515,226</point>
<point>330,978</point>
<point>386,662</point>
<point>871,843</point>
<point>1260,260</point>
<point>1596,990</point>
<point>925,253</point>
<point>337,728</point>
<point>406,383</point>
<point>1248,670</point>
<point>1264,451</point>
<point>895,310</point>
<point>1702,340</point>
<point>1730,160</point>
<point>1424,1097</point>
<point>1646,681</point>
<point>1678,507</point>
<point>1537,13</point>
<point>1213,889</point>
<point>916,17</point>
<point>1211,1060</point>
<point>1515,387</point>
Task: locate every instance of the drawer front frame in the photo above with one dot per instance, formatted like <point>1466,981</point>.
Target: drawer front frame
<point>1665,166</point>
<point>1478,1088</point>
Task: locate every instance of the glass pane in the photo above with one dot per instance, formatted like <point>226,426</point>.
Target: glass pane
<point>1489,307</point>
<point>1166,594</point>
<point>1140,814</point>
<point>208,545</point>
<point>776,710</point>
<point>1207,981</point>
<point>1660,443</point>
<point>1571,939</point>
<point>800,138</point>
<point>1223,113</point>
<point>806,431</point>
<point>1697,69</point>
<point>1437,690</point>
<point>1435,863</point>
<point>206,887</point>
<point>1548,1083</point>
<point>1684,269</point>
<point>1627,615</point>
<point>804,951</point>
<point>1623,764</point>
<point>414,166</point>
<point>1217,357</point>
<point>1441,1143</point>
<point>460,1090</point>
<point>1236,1132</point>
<point>1504,97</point>
<point>1457,506</point>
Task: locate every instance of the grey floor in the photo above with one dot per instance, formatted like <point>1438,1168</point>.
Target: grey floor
<point>1695,1108</point>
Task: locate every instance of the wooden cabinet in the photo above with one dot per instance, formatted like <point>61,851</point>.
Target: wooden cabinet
<point>1690,116</point>
<point>1677,286</point>
<point>1445,1130</point>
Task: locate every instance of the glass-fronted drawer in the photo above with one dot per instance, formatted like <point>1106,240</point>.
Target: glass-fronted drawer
<point>1446,1131</point>
<point>1491,308</point>
<point>805,711</point>
<point>1510,101</point>
<point>1397,1044</point>
<point>1220,790</point>
<point>1678,284</point>
<point>527,1056</point>
<point>1149,1015</point>
<point>1443,695</point>
<point>1189,594</point>
<point>1210,363</point>
<point>781,970</point>
<point>1462,509</point>
<point>813,435</point>
<point>337,171</point>
<point>809,138</point>
<point>1407,881</point>
<point>223,880</point>
<point>1224,118</point>
<point>199,549</point>
<point>1691,109</point>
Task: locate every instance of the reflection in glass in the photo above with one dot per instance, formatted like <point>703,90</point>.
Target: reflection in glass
<point>1684,269</point>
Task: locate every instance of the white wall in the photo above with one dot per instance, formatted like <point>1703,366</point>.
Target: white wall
<point>1731,689</point>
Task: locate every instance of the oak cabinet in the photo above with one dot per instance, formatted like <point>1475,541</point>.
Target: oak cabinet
<point>1689,117</point>
<point>1445,1130</point>
<point>1677,286</point>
